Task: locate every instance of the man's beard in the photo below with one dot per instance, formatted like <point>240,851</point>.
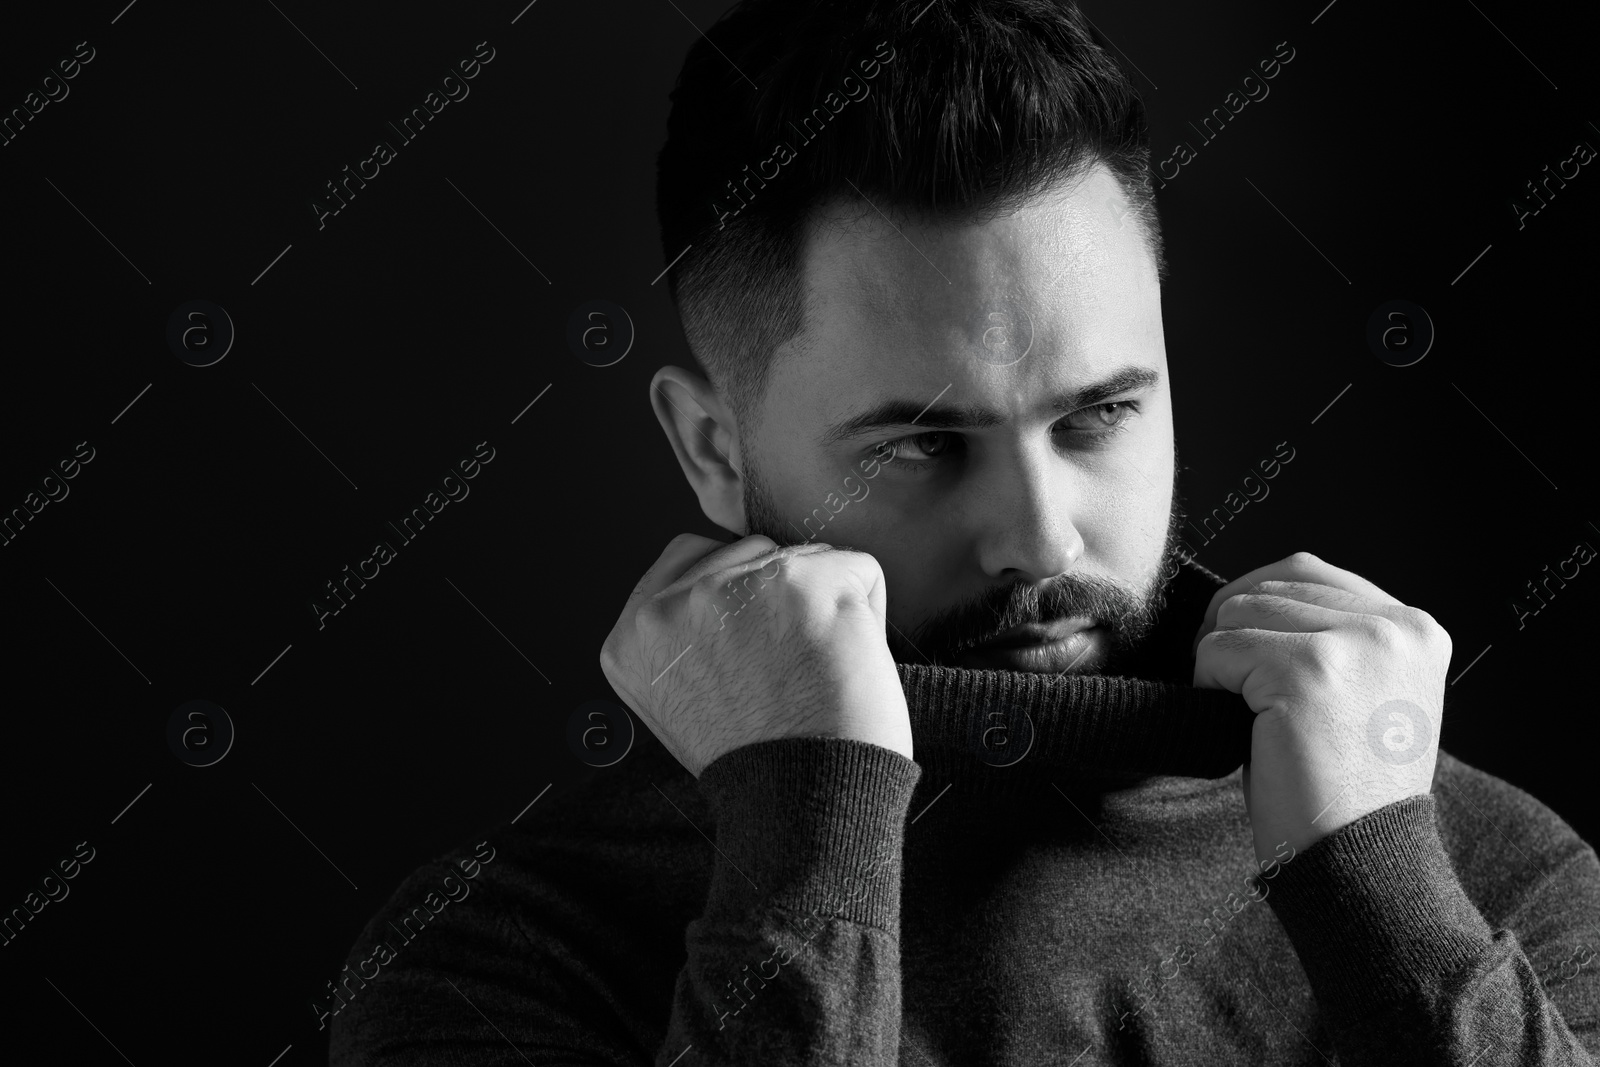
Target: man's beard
<point>1126,617</point>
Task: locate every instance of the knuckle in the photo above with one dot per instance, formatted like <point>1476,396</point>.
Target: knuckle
<point>707,593</point>
<point>864,563</point>
<point>1329,658</point>
<point>1387,634</point>
<point>652,614</point>
<point>1302,560</point>
<point>1432,632</point>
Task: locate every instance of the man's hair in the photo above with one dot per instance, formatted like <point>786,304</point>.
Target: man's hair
<point>955,112</point>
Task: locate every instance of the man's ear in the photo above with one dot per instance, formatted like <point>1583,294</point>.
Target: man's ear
<point>705,439</point>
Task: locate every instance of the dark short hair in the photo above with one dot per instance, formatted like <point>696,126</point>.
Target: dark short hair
<point>981,106</point>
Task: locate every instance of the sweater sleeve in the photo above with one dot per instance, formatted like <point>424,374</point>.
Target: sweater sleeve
<point>1405,968</point>
<point>796,956</point>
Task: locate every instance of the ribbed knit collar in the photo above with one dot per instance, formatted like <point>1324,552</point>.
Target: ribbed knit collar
<point>1017,731</point>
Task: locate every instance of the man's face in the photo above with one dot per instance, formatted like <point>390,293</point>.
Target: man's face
<point>1010,379</point>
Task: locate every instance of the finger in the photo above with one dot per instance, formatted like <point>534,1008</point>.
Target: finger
<point>878,594</point>
<point>738,585</point>
<point>1270,611</point>
<point>1265,612</point>
<point>1327,596</point>
<point>680,553</point>
<point>688,557</point>
<point>732,567</point>
<point>1229,659</point>
<point>868,574</point>
<point>746,554</point>
<point>1300,567</point>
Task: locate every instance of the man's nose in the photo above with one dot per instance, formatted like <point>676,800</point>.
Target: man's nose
<point>1026,516</point>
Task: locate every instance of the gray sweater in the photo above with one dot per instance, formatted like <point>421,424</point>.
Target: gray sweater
<point>1065,876</point>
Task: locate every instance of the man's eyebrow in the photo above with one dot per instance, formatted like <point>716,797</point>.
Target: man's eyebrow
<point>893,413</point>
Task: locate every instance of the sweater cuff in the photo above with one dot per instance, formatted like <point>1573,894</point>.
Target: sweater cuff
<point>812,824</point>
<point>1376,913</point>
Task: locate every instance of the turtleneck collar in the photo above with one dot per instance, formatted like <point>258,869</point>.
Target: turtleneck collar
<point>1017,731</point>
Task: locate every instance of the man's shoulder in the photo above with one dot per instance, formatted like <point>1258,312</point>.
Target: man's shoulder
<point>1504,843</point>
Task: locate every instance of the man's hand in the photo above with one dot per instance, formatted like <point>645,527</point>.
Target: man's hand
<point>1347,684</point>
<point>804,656</point>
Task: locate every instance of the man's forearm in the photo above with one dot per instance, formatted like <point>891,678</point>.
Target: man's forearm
<point>1401,961</point>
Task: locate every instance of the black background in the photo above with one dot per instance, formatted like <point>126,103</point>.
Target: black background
<point>409,329</point>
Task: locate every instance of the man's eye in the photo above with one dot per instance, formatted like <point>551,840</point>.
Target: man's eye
<point>1099,423</point>
<point>917,448</point>
<point>1120,409</point>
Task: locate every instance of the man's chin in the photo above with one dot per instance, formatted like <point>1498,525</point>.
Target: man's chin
<point>1083,652</point>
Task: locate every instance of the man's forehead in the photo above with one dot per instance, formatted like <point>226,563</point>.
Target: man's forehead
<point>872,275</point>
<point>892,302</point>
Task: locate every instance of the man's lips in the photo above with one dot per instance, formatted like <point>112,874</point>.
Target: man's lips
<point>1034,633</point>
<point>1055,647</point>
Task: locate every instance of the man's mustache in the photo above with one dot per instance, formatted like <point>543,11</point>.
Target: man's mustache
<point>976,622</point>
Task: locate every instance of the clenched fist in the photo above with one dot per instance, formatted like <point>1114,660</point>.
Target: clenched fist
<point>723,645</point>
<point>1347,684</point>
